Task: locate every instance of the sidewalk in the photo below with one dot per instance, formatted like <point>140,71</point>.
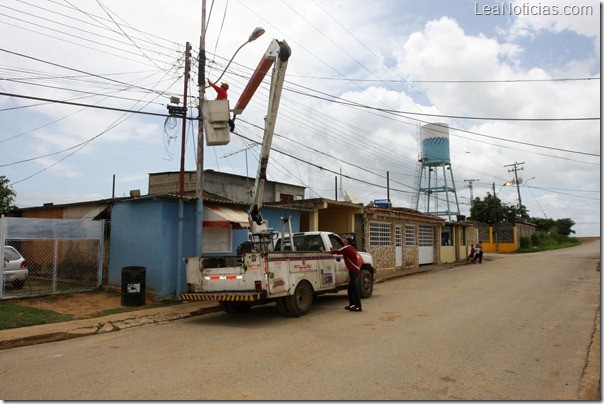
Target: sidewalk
<point>18,337</point>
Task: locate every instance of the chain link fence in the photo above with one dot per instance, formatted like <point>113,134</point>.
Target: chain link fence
<point>48,256</point>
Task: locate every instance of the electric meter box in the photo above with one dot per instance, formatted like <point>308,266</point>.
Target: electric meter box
<point>216,122</point>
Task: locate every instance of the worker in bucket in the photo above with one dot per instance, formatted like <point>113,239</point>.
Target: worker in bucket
<point>221,92</point>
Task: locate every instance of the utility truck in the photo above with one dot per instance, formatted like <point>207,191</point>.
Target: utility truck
<point>289,269</point>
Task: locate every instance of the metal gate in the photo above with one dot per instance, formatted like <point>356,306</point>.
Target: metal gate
<point>426,245</point>
<point>59,256</point>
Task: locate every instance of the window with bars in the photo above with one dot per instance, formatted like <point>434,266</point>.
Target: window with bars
<point>426,236</point>
<point>217,240</point>
<point>380,234</point>
<point>410,235</point>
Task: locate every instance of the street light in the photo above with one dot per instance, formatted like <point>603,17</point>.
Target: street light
<point>257,33</point>
<point>505,184</point>
<point>525,182</point>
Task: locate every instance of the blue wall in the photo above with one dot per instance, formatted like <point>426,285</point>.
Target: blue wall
<point>145,232</point>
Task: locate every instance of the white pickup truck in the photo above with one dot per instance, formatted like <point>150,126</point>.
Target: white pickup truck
<point>291,277</point>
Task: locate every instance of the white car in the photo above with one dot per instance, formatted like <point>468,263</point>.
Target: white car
<point>15,268</point>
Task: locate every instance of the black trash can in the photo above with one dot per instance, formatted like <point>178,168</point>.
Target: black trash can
<point>133,286</point>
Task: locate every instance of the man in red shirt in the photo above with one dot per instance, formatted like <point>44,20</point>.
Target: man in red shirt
<point>221,92</point>
<point>353,261</point>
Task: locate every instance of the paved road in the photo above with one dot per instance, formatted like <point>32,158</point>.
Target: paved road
<point>518,327</point>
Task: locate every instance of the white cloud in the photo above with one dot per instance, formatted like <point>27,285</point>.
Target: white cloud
<point>534,16</point>
<point>342,50</point>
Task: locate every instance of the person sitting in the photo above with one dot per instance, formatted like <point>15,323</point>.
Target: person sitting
<point>478,253</point>
<point>472,252</point>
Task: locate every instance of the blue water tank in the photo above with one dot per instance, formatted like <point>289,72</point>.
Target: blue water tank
<point>435,143</point>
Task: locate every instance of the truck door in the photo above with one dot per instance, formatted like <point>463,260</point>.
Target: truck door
<point>338,260</point>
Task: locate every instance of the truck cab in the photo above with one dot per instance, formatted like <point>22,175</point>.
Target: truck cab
<point>322,242</point>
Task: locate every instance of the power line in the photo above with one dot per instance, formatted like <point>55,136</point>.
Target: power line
<point>553,80</point>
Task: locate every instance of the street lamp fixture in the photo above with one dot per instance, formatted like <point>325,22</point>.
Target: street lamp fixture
<point>505,184</point>
<point>257,33</point>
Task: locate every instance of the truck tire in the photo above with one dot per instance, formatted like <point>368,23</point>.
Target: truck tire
<point>225,307</point>
<point>365,283</point>
<point>299,303</point>
<point>236,307</point>
<point>282,306</point>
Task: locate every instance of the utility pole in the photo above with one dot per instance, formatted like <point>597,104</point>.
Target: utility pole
<point>201,79</point>
<point>470,182</point>
<point>388,185</point>
<point>495,225</point>
<point>515,170</point>
<point>181,184</point>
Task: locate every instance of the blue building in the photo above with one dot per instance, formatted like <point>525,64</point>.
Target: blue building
<point>158,232</point>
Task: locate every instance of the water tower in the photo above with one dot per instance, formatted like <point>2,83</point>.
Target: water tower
<point>436,186</point>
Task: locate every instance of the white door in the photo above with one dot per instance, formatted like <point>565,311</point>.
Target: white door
<point>426,245</point>
<point>398,246</point>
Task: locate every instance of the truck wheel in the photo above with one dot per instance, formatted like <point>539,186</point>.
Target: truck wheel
<point>282,306</point>
<point>299,303</point>
<point>239,307</point>
<point>365,283</point>
<point>225,307</point>
<point>235,307</point>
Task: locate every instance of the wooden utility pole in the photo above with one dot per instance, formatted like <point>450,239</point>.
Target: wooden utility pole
<point>471,186</point>
<point>495,225</point>
<point>515,170</point>
<point>201,80</point>
<point>181,180</point>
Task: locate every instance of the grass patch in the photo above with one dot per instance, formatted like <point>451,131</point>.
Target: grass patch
<point>547,247</point>
<point>545,241</point>
<point>14,316</point>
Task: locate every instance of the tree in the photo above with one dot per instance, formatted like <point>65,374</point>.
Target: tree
<point>490,208</point>
<point>563,226</point>
<point>559,226</point>
<point>7,195</point>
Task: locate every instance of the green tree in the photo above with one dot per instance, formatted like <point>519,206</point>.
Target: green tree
<point>487,209</point>
<point>7,195</point>
<point>561,227</point>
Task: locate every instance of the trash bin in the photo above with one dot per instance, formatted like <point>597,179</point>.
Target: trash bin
<point>133,286</point>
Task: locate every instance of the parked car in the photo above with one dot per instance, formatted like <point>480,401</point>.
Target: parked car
<point>15,268</point>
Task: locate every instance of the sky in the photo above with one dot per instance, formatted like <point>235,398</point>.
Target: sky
<point>84,89</point>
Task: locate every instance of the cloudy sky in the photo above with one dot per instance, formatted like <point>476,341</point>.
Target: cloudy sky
<point>517,82</point>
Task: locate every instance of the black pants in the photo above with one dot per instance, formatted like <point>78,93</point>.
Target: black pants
<point>478,257</point>
<point>354,295</point>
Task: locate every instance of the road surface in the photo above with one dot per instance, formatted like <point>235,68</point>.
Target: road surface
<point>517,327</point>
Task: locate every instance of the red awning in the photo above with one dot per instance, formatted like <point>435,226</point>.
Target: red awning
<point>222,216</point>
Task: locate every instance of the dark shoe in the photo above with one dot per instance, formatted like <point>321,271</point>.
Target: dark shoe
<point>348,307</point>
<point>355,308</point>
